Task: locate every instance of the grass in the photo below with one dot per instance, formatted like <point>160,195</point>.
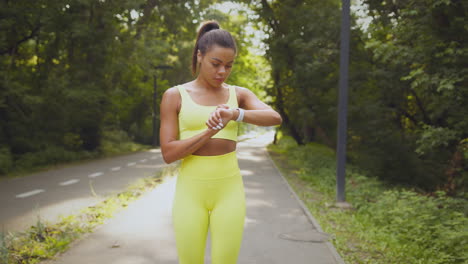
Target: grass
<point>386,224</point>
<point>44,240</point>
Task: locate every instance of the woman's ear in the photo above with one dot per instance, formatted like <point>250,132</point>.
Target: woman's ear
<point>199,57</point>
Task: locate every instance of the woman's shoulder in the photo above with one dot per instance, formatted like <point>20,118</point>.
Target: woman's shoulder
<point>241,91</point>
<point>174,90</point>
<point>172,93</point>
<point>172,97</point>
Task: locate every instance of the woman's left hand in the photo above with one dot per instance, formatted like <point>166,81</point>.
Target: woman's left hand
<point>220,117</point>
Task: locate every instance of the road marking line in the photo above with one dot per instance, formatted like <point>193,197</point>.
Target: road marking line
<point>143,160</point>
<point>115,169</point>
<point>31,193</point>
<point>94,175</point>
<point>72,181</point>
<point>131,163</point>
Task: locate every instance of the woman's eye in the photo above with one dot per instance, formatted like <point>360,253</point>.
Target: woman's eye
<point>229,66</point>
<point>215,65</point>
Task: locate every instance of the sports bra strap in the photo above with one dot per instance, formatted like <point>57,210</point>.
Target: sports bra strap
<point>183,93</point>
<point>232,94</point>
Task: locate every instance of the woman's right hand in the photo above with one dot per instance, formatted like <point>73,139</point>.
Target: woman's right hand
<point>220,117</point>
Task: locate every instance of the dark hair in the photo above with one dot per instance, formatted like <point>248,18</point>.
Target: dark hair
<point>208,35</point>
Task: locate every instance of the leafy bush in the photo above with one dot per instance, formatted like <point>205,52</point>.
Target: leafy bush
<point>117,141</point>
<point>420,227</point>
<point>50,155</point>
<point>6,161</point>
<point>72,141</point>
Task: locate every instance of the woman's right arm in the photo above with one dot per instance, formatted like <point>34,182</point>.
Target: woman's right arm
<point>173,149</point>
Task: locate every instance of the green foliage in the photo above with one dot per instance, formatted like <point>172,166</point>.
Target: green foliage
<point>407,84</point>
<point>434,137</point>
<point>72,141</point>
<point>50,155</point>
<point>387,224</point>
<point>3,248</point>
<point>114,142</point>
<point>6,160</point>
<point>418,75</point>
<point>41,241</point>
<point>303,54</point>
<point>413,222</point>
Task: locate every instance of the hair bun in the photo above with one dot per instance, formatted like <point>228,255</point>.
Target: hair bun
<point>208,26</point>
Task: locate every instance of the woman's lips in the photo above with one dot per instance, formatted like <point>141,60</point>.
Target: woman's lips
<point>219,80</point>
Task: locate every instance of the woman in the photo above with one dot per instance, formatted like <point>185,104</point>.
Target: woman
<point>199,121</point>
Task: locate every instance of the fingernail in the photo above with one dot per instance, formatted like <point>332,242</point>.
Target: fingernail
<point>221,124</point>
<point>218,127</point>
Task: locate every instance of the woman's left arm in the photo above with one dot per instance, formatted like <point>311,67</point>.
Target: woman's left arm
<point>255,111</point>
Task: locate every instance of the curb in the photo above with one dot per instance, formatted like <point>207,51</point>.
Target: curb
<point>312,220</point>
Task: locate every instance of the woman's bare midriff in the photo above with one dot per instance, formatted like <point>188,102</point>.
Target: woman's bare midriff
<point>216,146</point>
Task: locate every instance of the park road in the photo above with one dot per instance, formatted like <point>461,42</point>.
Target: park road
<point>66,190</point>
<point>277,229</point>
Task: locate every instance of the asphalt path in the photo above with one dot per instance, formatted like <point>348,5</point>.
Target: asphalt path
<point>49,194</point>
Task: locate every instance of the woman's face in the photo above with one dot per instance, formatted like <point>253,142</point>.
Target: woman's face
<point>216,64</point>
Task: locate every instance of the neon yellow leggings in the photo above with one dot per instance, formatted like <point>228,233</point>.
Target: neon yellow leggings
<point>209,193</point>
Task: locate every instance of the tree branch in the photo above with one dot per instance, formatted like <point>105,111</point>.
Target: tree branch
<point>12,50</point>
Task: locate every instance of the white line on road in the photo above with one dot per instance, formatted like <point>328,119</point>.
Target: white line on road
<point>143,160</point>
<point>94,175</point>
<point>72,181</point>
<point>31,193</point>
<point>131,163</point>
<point>115,169</point>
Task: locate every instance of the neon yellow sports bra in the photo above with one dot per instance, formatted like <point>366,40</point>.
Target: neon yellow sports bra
<point>193,116</point>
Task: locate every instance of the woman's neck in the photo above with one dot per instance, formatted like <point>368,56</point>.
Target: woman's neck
<point>202,83</point>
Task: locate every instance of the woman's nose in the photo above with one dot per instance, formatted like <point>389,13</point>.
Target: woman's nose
<point>222,69</point>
